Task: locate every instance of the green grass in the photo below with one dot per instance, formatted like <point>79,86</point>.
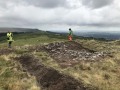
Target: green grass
<point>104,74</point>
<point>33,39</point>
<point>13,78</point>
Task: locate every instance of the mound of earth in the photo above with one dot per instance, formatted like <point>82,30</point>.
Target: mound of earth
<point>70,53</point>
<point>49,78</point>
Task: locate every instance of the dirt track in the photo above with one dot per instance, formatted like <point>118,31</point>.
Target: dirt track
<point>48,78</point>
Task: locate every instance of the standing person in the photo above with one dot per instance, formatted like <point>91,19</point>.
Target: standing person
<point>9,39</point>
<point>70,35</point>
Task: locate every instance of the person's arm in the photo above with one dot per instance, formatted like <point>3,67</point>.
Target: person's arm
<point>71,32</point>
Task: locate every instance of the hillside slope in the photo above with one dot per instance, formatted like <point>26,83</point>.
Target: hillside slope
<point>49,62</point>
<point>4,30</point>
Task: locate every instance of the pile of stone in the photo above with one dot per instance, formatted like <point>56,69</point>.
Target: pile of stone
<point>71,52</point>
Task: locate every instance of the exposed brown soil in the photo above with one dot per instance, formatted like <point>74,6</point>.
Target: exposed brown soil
<point>66,54</point>
<point>48,78</point>
<point>70,53</point>
<point>6,51</point>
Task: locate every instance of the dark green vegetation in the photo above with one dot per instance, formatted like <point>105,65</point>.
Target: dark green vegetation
<point>103,74</point>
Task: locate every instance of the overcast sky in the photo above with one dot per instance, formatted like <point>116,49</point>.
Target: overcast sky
<point>86,15</point>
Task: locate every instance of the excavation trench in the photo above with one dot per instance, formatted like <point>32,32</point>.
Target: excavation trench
<point>68,54</point>
<point>48,78</point>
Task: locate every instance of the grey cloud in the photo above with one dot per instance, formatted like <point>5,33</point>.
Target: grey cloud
<point>22,15</point>
<point>96,3</point>
<point>47,3</point>
<point>3,4</point>
<point>12,21</point>
<point>36,3</point>
<point>101,24</point>
<point>6,5</point>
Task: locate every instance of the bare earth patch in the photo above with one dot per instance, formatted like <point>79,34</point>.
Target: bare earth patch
<point>48,78</point>
<point>66,54</point>
<point>6,51</point>
<point>71,53</point>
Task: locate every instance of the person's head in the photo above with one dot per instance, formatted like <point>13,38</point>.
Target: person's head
<point>69,29</point>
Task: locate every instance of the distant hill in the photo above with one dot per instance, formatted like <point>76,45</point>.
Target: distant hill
<point>96,35</point>
<point>4,30</point>
<point>105,35</point>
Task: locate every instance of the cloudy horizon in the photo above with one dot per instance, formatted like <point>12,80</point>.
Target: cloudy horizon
<point>88,15</point>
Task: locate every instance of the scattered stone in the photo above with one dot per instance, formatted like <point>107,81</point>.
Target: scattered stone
<point>68,52</point>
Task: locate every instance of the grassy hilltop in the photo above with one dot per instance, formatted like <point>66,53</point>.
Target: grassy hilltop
<point>51,53</point>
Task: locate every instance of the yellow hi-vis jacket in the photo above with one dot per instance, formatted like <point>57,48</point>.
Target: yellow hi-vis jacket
<point>10,37</point>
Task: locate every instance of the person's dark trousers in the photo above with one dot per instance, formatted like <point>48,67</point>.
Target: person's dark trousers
<point>9,44</point>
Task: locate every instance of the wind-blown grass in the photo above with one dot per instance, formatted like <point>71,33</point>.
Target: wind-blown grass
<point>103,74</point>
